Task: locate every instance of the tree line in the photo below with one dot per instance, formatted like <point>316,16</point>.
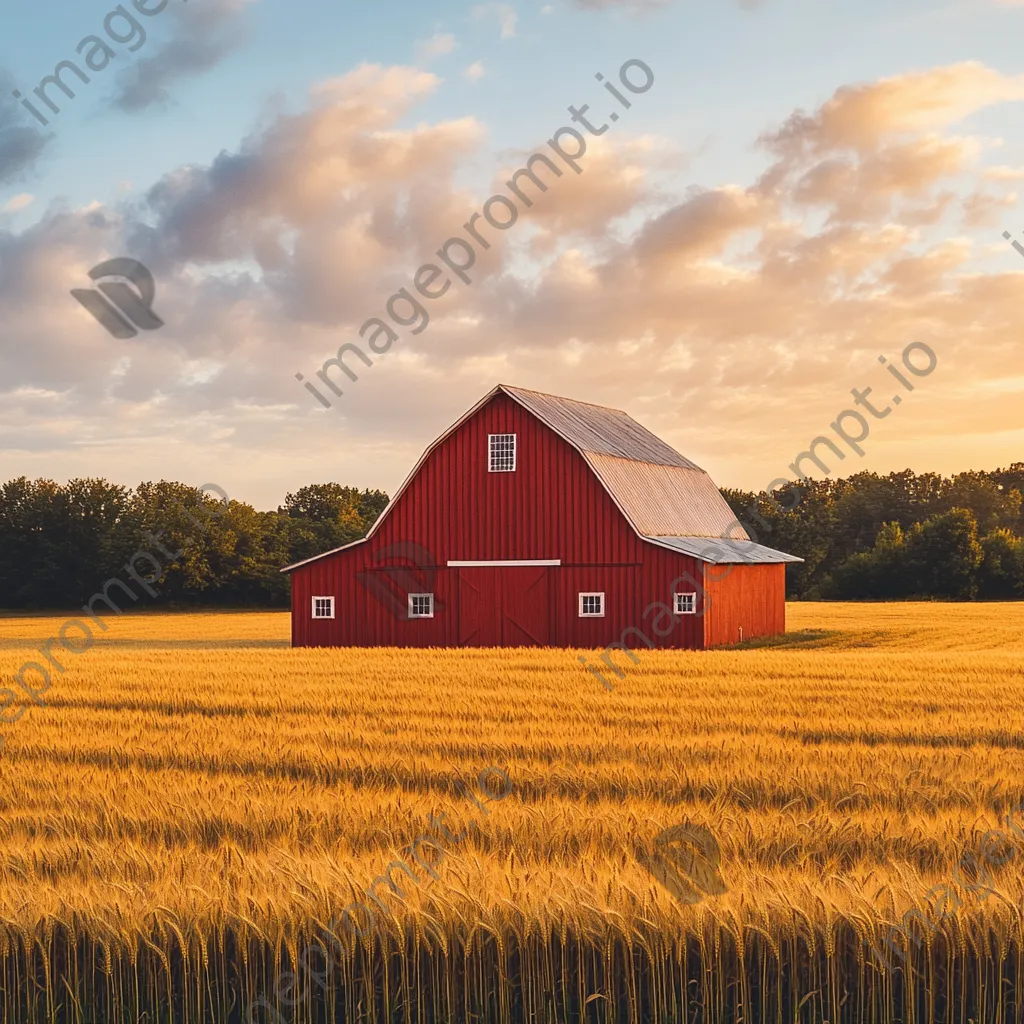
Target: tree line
<point>898,536</point>
<point>867,536</point>
<point>60,542</point>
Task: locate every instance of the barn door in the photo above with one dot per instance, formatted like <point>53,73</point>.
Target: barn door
<point>479,608</point>
<point>524,607</point>
<point>504,606</point>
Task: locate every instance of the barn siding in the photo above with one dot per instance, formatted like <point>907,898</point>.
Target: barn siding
<point>657,573</point>
<point>751,596</point>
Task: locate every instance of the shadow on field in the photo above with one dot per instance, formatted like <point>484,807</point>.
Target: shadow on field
<point>800,640</point>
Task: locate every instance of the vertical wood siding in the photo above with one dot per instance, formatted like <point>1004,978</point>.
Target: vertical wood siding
<point>749,596</point>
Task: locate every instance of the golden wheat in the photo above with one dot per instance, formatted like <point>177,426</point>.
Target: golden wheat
<point>196,802</point>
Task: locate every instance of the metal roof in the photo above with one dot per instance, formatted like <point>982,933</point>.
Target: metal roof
<point>597,429</point>
<point>659,491</point>
<point>666,500</point>
<point>719,550</point>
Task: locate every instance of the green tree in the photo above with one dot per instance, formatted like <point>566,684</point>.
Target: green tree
<point>1002,568</point>
<point>880,572</point>
<point>943,556</point>
<point>993,506</point>
<point>327,516</point>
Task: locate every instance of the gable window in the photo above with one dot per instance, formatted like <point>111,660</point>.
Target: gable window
<point>592,606</point>
<point>421,606</point>
<point>686,604</point>
<point>501,453</point>
<point>323,607</point>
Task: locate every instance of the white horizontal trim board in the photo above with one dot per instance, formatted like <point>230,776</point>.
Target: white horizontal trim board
<point>512,562</point>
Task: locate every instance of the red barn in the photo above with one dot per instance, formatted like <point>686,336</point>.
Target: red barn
<point>542,521</point>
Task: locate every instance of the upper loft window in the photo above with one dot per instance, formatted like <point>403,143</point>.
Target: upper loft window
<point>501,453</point>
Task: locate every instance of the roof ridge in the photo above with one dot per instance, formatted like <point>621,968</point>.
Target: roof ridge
<point>563,398</point>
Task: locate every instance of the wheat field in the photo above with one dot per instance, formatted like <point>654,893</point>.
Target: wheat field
<point>188,813</point>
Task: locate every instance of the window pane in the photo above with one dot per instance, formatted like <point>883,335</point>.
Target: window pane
<point>502,453</point>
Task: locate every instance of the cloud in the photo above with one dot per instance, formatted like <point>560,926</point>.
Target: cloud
<point>342,162</point>
<point>475,71</point>
<point>1004,173</point>
<point>983,209</point>
<point>635,5</point>
<point>857,117</point>
<point>21,145</point>
<point>205,34</point>
<point>878,149</point>
<point>18,202</point>
<point>438,45</point>
<point>505,15</point>
<point>642,6</point>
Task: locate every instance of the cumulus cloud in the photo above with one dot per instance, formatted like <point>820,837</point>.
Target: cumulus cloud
<point>440,44</point>
<point>858,117</point>
<point>505,14</point>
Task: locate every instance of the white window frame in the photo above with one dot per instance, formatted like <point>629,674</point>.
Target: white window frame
<point>322,597</point>
<point>677,602</point>
<point>421,615</point>
<point>591,615</point>
<point>490,453</point>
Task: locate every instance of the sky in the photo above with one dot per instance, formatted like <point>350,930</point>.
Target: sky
<point>788,193</point>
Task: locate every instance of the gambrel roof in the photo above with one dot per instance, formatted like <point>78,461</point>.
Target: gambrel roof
<point>660,492</point>
<point>665,497</point>
<point>597,429</point>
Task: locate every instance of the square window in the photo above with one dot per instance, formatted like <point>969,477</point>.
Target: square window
<point>323,607</point>
<point>501,453</point>
<point>591,606</point>
<point>686,604</point>
<point>421,606</point>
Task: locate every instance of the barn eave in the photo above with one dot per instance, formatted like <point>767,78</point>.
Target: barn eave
<point>724,550</point>
<point>325,554</point>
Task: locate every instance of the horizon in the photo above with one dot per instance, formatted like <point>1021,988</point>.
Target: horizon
<point>833,478</point>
